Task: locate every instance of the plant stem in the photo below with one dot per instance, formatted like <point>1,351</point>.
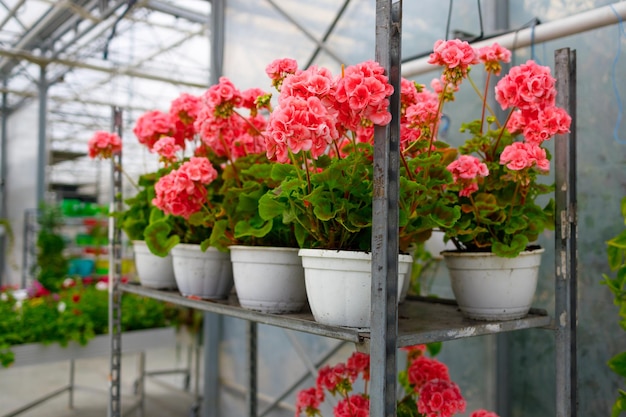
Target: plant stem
<point>495,147</point>
<point>132,182</point>
<point>483,97</point>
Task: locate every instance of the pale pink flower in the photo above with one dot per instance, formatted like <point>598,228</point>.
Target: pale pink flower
<point>278,69</point>
<point>456,56</point>
<point>545,123</point>
<point>466,171</point>
<point>528,86</point>
<point>537,156</point>
<point>166,147</point>
<point>515,156</point>
<point>249,97</point>
<point>467,167</point>
<point>493,56</point>
<point>362,93</point>
<point>104,144</point>
<point>516,122</point>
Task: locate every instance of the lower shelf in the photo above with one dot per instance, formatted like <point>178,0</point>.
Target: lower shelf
<point>420,320</point>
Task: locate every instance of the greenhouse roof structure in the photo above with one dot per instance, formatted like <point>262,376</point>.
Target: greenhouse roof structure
<point>82,57</point>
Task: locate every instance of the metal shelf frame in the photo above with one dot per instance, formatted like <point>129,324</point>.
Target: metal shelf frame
<point>417,320</point>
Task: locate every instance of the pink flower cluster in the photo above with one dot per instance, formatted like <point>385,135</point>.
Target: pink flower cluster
<point>440,398</point>
<point>455,56</point>
<point>104,145</point>
<point>223,129</point>
<point>338,379</point>
<point>316,110</point>
<point>182,192</point>
<point>467,171</point>
<point>493,56</point>
<point>151,126</point>
<point>522,155</point>
<point>437,395</point>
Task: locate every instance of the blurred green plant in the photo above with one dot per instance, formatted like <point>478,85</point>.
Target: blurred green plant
<point>76,313</point>
<point>616,253</point>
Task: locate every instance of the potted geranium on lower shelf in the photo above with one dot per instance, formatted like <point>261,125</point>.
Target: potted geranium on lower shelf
<point>497,186</point>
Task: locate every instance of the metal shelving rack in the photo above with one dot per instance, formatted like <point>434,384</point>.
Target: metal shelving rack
<point>417,320</point>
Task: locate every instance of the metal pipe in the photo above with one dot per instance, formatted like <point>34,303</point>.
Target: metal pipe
<point>578,23</point>
<point>42,149</point>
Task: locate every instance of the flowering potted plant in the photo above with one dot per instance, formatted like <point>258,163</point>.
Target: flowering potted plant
<point>428,389</point>
<point>496,177</point>
<point>321,136</point>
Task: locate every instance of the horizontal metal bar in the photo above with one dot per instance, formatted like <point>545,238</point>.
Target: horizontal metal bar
<point>302,322</point>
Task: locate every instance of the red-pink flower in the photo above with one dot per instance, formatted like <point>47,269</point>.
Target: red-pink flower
<point>308,401</point>
<point>182,192</point>
<point>329,378</point>
<point>456,56</point>
<point>104,145</point>
<point>483,413</point>
<point>359,363</point>
<point>185,110</point>
<point>467,167</point>
<point>515,156</point>
<point>278,69</point>
<point>424,369</point>
<point>440,398</point>
<point>528,86</point>
<point>493,56</point>
<point>545,123</point>
<point>357,405</point>
<point>151,126</point>
<point>362,93</point>
<point>466,171</point>
<point>166,147</point>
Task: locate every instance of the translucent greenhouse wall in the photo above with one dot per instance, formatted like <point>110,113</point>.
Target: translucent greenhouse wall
<point>21,181</point>
<point>257,33</point>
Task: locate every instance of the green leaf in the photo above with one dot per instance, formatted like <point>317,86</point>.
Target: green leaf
<point>620,404</point>
<point>158,238</point>
<point>517,245</point>
<point>615,256</point>
<point>618,364</point>
<point>245,228</point>
<point>269,207</point>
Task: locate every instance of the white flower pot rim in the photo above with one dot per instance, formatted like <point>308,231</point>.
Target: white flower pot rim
<point>263,248</point>
<point>466,254</point>
<point>342,254</point>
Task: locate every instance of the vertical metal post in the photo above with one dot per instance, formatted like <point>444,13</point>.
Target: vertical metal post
<point>42,148</point>
<point>384,314</point>
<point>212,323</point>
<point>212,334</point>
<point>115,272</point>
<point>3,172</point>
<point>251,395</point>
<point>565,242</point>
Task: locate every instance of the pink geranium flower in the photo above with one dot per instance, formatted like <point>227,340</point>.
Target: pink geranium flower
<point>483,413</point>
<point>104,144</point>
<point>440,398</point>
<point>153,125</point>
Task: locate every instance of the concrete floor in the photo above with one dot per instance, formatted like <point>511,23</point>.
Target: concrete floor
<point>165,395</point>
